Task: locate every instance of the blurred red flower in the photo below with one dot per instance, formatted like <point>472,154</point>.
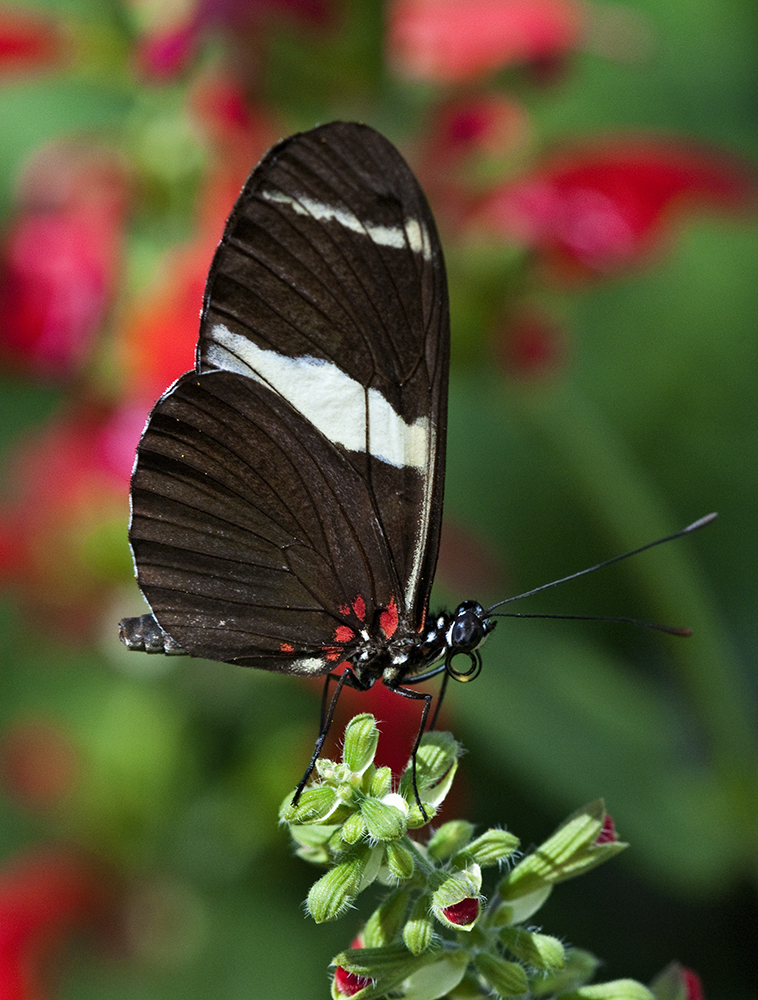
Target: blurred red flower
<point>29,40</point>
<point>45,897</point>
<point>39,764</point>
<point>59,261</point>
<point>483,123</point>
<point>468,136</point>
<point>598,209</point>
<point>452,41</point>
<point>530,344</point>
<point>63,519</point>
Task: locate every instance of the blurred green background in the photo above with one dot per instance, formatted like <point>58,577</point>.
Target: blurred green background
<point>636,415</point>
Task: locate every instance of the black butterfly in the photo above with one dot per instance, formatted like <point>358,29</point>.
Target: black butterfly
<point>287,493</point>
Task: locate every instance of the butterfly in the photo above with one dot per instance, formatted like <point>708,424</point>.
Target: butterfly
<point>286,499</point>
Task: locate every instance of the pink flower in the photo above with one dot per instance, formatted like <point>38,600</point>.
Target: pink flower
<point>451,41</point>
<point>596,210</point>
<point>45,896</point>
<point>59,261</point>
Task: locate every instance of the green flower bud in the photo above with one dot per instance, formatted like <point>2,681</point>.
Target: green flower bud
<point>361,740</point>
<point>619,989</point>
<point>583,841</point>
<point>539,950</point>
<point>333,893</point>
<point>492,847</point>
<point>388,966</point>
<point>507,979</point>
<point>580,966</point>
<point>381,782</point>
<point>399,860</point>
<point>353,829</point>
<point>386,922</point>
<point>450,839</point>
<point>314,805</point>
<point>676,983</point>
<point>387,819</point>
<point>437,753</point>
<point>419,928</point>
<point>458,885</point>
<point>436,764</point>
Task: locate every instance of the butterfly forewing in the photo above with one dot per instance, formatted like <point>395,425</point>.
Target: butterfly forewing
<point>294,481</point>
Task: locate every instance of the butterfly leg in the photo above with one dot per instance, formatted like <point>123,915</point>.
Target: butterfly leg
<point>327,717</point>
<point>427,699</point>
<point>440,696</point>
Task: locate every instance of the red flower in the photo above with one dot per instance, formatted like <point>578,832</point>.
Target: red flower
<point>692,984</point>
<point>347,983</point>
<point>44,897</point>
<point>599,209</point>
<point>607,834</point>
<point>29,41</point>
<point>464,913</point>
<point>59,261</point>
<point>450,41</point>
<point>62,541</point>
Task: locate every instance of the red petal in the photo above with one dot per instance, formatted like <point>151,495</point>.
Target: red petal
<point>347,983</point>
<point>608,833</point>
<point>463,913</point>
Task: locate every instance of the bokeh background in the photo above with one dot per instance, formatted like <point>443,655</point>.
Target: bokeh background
<point>592,169</point>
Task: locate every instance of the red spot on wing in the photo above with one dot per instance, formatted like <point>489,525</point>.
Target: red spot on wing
<point>344,609</point>
<point>388,619</point>
<point>343,633</point>
<point>287,648</point>
<point>359,607</point>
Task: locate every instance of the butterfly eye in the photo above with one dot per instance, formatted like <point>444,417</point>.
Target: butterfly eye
<point>468,628</point>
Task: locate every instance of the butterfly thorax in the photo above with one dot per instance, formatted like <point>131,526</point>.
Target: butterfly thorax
<point>407,654</point>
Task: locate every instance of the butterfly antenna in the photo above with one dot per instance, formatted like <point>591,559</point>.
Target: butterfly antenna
<point>671,630</point>
<point>668,629</point>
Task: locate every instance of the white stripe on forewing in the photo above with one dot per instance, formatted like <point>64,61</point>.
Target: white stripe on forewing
<point>333,402</point>
<point>413,236</point>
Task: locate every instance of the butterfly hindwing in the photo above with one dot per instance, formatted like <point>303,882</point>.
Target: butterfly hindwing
<point>297,474</point>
